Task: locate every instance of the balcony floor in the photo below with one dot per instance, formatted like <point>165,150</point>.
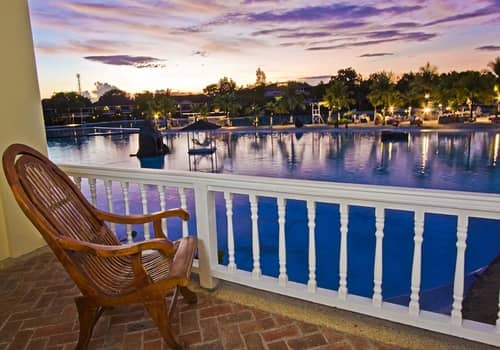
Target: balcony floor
<point>37,312</point>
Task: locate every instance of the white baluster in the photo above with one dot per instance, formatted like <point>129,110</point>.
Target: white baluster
<point>283,278</point>
<point>144,200</point>
<point>78,182</point>
<point>126,202</point>
<point>344,219</point>
<point>377,273</point>
<point>417,262</point>
<point>163,207</point>
<point>93,191</point>
<point>498,314</point>
<point>311,221</point>
<point>458,285</point>
<point>228,196</point>
<point>182,196</point>
<point>256,272</point>
<point>109,196</point>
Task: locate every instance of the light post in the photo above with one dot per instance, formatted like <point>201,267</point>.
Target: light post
<point>469,103</point>
<point>497,90</point>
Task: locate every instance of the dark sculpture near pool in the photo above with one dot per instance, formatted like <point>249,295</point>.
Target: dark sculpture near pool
<point>151,141</point>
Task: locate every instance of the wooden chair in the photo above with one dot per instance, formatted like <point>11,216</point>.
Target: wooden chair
<point>107,273</point>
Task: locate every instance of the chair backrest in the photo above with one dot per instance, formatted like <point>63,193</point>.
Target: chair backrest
<point>57,208</point>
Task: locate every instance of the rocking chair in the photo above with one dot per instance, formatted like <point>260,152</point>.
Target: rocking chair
<point>107,273</point>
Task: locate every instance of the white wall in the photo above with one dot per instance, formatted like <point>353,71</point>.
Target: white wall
<point>21,119</point>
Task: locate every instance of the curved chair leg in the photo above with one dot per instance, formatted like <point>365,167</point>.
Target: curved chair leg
<point>189,296</point>
<point>88,314</point>
<point>159,313</point>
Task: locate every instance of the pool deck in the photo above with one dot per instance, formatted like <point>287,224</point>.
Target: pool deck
<point>38,313</point>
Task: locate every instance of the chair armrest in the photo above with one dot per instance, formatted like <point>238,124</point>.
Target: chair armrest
<point>141,219</point>
<point>106,251</point>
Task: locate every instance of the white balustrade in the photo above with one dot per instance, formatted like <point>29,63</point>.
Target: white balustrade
<point>182,196</point>
<point>344,221</point>
<point>282,278</point>
<point>414,307</point>
<point>498,314</point>
<point>125,190</point>
<point>163,207</point>
<point>311,221</point>
<point>228,197</point>
<point>93,190</point>
<point>78,182</point>
<point>460,204</point>
<point>108,188</point>
<point>144,201</point>
<point>377,273</point>
<point>256,272</point>
<point>458,285</point>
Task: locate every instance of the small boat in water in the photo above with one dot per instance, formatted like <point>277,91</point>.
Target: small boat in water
<point>394,136</point>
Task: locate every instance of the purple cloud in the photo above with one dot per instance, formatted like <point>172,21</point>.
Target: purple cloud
<point>345,25</point>
<point>328,12</point>
<point>493,8</point>
<point>413,36</point>
<point>304,35</point>
<point>405,25</point>
<point>126,60</point>
<point>200,53</point>
<point>377,54</point>
<point>489,48</point>
<point>317,77</point>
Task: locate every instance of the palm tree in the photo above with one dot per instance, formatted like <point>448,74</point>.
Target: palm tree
<point>291,99</point>
<point>495,68</point>
<point>336,97</point>
<point>380,84</point>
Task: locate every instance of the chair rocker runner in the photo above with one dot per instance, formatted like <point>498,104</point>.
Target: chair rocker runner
<point>107,273</point>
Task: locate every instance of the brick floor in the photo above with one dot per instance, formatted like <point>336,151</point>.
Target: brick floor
<point>37,312</point>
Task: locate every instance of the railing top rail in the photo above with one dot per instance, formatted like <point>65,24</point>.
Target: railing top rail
<point>486,203</point>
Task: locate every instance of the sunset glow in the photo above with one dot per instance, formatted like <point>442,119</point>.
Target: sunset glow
<point>184,45</point>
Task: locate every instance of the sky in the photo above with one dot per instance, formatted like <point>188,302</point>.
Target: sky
<point>185,45</point>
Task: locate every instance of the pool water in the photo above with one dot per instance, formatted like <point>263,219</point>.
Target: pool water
<point>446,160</point>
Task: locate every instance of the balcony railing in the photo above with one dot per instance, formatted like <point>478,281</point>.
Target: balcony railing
<point>204,195</point>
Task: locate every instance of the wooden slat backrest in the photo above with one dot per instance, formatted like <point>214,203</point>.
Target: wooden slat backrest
<point>57,208</point>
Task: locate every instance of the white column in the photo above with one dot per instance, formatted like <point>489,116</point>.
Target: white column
<point>207,234</point>
<point>377,273</point>
<point>78,182</point>
<point>144,201</point>
<point>124,185</point>
<point>22,120</point>
<point>182,197</point>
<point>256,272</point>
<point>228,196</point>
<point>311,221</point>
<point>458,285</point>
<point>498,314</point>
<point>93,190</point>
<point>163,207</point>
<point>109,197</point>
<point>283,278</point>
<point>418,238</point>
<point>344,221</point>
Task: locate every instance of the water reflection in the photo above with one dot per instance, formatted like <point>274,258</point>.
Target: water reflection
<point>432,160</point>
